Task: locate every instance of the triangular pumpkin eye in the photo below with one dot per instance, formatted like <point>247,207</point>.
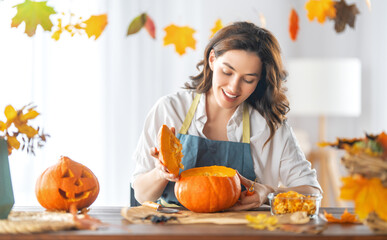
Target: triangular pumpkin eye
<point>67,173</point>
<point>85,174</point>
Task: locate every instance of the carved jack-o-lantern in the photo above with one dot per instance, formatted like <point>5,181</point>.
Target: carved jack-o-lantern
<point>66,183</point>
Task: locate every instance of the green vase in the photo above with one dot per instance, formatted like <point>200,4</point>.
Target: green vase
<point>6,192</point>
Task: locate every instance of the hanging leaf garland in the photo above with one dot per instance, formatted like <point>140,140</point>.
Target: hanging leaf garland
<point>320,9</point>
<point>33,14</point>
<point>95,25</point>
<point>217,27</point>
<point>181,37</point>
<point>345,14</point>
<point>142,20</point>
<point>293,24</point>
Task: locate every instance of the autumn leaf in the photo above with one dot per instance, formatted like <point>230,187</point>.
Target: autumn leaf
<point>346,217</point>
<point>95,25</point>
<point>368,194</point>
<point>345,14</point>
<point>217,27</point>
<point>150,27</point>
<point>293,24</point>
<point>33,14</point>
<point>181,37</point>
<point>142,20</point>
<point>136,24</point>
<point>320,9</point>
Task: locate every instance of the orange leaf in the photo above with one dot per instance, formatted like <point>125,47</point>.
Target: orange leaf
<point>293,24</point>
<point>181,37</point>
<point>150,27</point>
<point>346,217</point>
<point>13,142</point>
<point>10,113</point>
<point>3,126</point>
<point>95,25</point>
<point>320,9</point>
<point>217,27</point>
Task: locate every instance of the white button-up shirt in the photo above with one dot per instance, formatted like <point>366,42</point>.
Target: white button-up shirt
<point>281,161</point>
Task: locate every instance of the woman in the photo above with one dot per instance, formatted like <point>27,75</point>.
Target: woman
<point>231,114</point>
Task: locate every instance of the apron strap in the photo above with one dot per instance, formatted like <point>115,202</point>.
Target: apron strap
<point>246,124</point>
<point>191,112</point>
<point>190,115</point>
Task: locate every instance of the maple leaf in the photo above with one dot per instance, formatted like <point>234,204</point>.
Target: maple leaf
<point>293,24</point>
<point>320,9</point>
<point>217,27</point>
<point>369,195</point>
<point>95,25</point>
<point>346,217</point>
<point>345,14</point>
<point>33,13</point>
<point>181,37</point>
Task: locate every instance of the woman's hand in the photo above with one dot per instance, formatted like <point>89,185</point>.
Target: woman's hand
<point>162,170</point>
<point>250,200</point>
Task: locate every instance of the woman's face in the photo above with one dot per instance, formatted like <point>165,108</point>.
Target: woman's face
<point>235,76</point>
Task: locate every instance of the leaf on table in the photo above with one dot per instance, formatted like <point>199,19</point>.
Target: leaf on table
<point>181,37</point>
<point>95,25</point>
<point>320,9</point>
<point>293,24</point>
<point>218,25</point>
<point>33,14</point>
<point>150,26</point>
<point>346,217</point>
<point>345,14</point>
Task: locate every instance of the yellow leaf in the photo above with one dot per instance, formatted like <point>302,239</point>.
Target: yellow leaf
<point>95,25</point>
<point>33,13</point>
<point>31,114</point>
<point>13,142</point>
<point>320,9</point>
<point>10,113</point>
<point>3,126</point>
<point>28,130</point>
<point>181,37</point>
<point>217,27</point>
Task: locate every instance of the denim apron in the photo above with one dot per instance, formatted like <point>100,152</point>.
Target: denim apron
<point>201,152</point>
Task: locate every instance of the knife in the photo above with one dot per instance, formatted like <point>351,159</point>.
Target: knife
<point>159,208</point>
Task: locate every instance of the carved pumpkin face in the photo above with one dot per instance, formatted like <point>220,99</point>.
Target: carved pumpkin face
<point>208,189</point>
<point>66,183</point>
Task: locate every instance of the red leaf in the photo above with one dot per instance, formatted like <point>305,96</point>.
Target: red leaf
<point>293,24</point>
<point>150,27</point>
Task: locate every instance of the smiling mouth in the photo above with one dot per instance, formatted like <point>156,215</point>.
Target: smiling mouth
<point>77,196</point>
<point>229,95</point>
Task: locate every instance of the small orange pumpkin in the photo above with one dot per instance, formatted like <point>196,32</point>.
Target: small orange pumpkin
<point>66,183</point>
<point>208,189</point>
<point>170,150</point>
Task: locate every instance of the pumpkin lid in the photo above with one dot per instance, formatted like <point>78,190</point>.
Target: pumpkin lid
<point>170,150</point>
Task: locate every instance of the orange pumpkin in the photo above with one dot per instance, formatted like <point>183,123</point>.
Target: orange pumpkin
<point>170,150</point>
<point>208,189</point>
<point>66,183</point>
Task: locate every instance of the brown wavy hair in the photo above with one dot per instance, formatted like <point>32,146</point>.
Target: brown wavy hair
<point>269,96</point>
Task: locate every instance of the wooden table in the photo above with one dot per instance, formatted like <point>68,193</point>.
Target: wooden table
<point>122,229</point>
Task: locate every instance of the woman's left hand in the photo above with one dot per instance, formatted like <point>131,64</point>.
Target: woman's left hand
<point>250,200</point>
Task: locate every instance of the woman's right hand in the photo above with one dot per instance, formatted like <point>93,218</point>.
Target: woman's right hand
<point>162,170</point>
